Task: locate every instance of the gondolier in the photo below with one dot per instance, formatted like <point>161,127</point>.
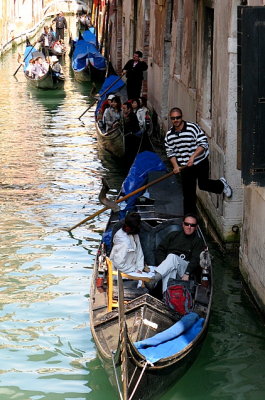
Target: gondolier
<point>46,40</point>
<point>134,73</point>
<point>61,25</point>
<point>187,145</point>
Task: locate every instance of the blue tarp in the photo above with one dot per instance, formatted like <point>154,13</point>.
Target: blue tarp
<point>172,340</point>
<point>113,89</point>
<point>28,55</point>
<point>85,51</point>
<point>144,163</point>
<point>89,37</point>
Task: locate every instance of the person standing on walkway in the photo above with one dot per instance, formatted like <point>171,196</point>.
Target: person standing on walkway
<point>187,145</point>
<point>134,73</point>
<point>61,25</point>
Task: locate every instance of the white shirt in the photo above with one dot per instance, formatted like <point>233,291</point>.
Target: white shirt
<point>127,254</point>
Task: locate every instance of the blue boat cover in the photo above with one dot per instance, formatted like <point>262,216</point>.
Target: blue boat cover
<point>28,55</point>
<point>85,51</point>
<point>144,163</point>
<point>113,89</point>
<point>89,37</point>
<point>172,340</point>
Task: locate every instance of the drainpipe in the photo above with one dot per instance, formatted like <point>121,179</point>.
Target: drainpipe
<point>135,24</point>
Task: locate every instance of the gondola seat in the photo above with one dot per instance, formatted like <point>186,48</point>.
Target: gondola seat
<point>130,286</point>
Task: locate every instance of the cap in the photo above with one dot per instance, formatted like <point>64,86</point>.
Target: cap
<point>111,96</point>
<point>54,58</point>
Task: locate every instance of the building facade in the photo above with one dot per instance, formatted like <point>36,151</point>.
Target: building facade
<point>191,47</point>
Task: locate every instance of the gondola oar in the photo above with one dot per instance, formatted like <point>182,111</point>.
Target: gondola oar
<point>123,198</point>
<point>102,94</point>
<point>23,60</point>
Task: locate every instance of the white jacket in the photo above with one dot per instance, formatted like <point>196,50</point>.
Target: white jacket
<point>127,254</point>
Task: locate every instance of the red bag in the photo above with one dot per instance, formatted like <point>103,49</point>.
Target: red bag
<point>179,299</point>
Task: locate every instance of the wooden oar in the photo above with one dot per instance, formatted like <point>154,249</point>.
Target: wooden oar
<point>23,61</point>
<point>123,198</point>
<point>102,94</point>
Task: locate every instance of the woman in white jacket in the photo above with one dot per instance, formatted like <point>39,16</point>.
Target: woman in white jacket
<point>127,254</point>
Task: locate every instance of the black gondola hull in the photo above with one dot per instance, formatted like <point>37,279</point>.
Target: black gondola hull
<point>46,82</point>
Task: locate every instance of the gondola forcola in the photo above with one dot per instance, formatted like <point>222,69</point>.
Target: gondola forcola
<point>143,344</point>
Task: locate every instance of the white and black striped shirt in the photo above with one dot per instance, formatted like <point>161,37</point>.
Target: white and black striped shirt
<point>183,144</point>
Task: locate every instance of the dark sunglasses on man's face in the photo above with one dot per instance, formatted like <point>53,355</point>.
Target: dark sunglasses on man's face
<point>188,224</point>
<point>178,117</point>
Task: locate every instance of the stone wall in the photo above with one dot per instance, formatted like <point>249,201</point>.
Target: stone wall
<point>252,246</point>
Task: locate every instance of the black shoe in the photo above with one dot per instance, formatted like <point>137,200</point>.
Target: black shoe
<point>153,282</point>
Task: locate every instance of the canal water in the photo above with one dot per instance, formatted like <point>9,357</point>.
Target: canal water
<point>50,177</point>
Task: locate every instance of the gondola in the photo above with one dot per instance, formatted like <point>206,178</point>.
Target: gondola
<point>47,81</point>
<point>114,141</point>
<point>87,62</point>
<point>50,80</point>
<point>122,316</point>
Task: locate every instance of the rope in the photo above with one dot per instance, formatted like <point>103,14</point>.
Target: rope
<point>139,380</point>
<point>132,376</point>
<point>116,376</point>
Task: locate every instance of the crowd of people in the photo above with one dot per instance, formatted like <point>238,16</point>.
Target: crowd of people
<point>133,115</point>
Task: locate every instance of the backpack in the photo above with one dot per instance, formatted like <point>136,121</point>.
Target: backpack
<point>178,298</point>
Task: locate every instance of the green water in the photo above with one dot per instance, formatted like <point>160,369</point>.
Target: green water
<point>50,179</point>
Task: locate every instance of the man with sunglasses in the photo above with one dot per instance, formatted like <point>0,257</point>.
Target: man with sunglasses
<point>178,255</point>
<point>187,145</point>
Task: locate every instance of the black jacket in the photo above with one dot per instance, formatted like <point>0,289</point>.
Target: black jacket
<point>42,39</point>
<point>60,22</point>
<point>135,72</point>
<point>178,243</point>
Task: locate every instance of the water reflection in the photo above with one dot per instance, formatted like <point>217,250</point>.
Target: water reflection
<point>49,100</point>
<point>48,181</point>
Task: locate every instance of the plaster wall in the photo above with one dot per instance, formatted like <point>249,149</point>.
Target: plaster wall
<point>210,100</point>
<point>252,246</point>
<point>221,128</point>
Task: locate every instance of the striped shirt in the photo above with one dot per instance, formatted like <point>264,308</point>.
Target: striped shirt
<point>183,144</point>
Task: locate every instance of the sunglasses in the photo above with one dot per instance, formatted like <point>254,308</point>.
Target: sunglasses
<point>188,224</point>
<point>178,117</point>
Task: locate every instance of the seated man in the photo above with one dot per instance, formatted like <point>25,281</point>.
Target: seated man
<point>178,255</point>
<point>130,121</point>
<point>56,66</point>
<point>126,254</point>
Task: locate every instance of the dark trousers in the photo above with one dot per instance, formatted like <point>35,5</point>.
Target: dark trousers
<point>45,51</point>
<point>60,33</point>
<point>190,176</point>
<point>134,88</point>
